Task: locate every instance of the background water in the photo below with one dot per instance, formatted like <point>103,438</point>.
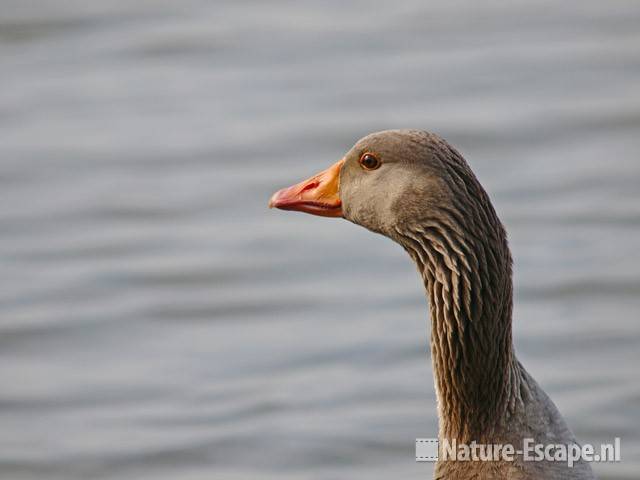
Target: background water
<point>158,322</point>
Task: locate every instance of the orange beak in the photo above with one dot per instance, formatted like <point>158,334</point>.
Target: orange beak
<point>317,195</point>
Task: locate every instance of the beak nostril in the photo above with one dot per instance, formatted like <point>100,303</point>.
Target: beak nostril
<point>310,186</point>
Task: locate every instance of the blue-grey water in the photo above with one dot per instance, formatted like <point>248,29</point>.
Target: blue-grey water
<point>157,321</point>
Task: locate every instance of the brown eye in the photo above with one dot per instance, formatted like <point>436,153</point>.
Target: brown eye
<point>369,162</point>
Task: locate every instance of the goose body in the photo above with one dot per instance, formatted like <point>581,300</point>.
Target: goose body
<point>416,189</point>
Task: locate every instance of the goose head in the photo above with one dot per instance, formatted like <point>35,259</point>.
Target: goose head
<point>386,180</point>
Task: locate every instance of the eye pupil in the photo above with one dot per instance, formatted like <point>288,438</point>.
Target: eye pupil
<point>369,162</point>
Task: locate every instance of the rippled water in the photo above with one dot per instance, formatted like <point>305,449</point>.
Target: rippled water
<point>157,321</point>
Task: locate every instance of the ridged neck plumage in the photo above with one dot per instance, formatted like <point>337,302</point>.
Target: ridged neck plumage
<point>462,255</point>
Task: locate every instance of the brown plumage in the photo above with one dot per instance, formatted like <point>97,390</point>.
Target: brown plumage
<point>421,193</point>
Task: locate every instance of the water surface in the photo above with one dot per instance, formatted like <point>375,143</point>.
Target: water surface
<point>158,322</point>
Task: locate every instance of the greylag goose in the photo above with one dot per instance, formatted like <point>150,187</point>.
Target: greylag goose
<point>416,189</point>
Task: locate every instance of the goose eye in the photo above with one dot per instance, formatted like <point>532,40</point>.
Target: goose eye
<point>369,162</point>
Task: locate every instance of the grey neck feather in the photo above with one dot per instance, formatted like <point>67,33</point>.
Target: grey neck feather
<point>464,260</point>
